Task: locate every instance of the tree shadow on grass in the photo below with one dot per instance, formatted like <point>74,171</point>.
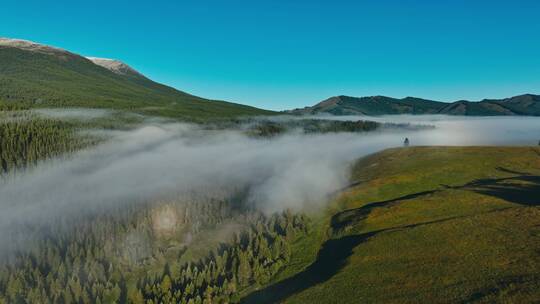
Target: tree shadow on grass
<point>330,260</point>
<point>523,189</point>
<point>524,193</point>
<point>348,217</point>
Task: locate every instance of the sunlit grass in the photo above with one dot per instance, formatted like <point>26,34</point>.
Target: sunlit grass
<point>452,244</point>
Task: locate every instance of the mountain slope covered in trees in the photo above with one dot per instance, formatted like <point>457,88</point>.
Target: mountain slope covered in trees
<point>42,76</point>
<point>527,104</point>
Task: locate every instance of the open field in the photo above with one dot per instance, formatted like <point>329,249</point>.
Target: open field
<point>427,224</point>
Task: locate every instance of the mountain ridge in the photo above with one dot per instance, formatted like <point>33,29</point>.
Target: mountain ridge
<point>525,104</point>
<point>37,75</point>
<point>30,45</point>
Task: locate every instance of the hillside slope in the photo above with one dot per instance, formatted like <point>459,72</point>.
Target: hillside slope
<point>527,104</point>
<point>41,76</point>
<point>426,225</point>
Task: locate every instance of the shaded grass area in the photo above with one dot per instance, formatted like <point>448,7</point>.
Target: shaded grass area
<point>522,189</point>
<point>482,257</point>
<point>439,225</point>
<point>330,259</point>
<point>304,251</point>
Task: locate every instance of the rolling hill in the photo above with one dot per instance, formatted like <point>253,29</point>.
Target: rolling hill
<point>424,225</point>
<point>527,104</point>
<point>36,75</point>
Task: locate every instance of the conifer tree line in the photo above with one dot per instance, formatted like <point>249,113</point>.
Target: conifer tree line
<point>260,127</point>
<point>26,139</point>
<point>158,252</point>
<point>129,256</point>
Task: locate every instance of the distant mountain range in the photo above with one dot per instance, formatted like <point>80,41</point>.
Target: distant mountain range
<point>36,75</point>
<point>527,104</point>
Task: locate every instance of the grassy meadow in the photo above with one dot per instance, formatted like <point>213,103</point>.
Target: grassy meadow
<point>424,225</point>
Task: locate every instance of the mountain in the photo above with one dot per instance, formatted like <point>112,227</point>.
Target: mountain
<point>37,75</point>
<point>527,104</point>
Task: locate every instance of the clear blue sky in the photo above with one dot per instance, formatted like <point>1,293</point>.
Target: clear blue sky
<point>287,54</point>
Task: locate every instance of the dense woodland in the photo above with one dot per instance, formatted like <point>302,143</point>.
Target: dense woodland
<point>132,257</point>
<point>182,251</point>
<point>271,128</point>
<point>158,252</point>
<point>264,127</point>
<point>260,127</point>
<point>25,139</point>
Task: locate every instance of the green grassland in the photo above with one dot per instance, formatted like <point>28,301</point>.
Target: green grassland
<point>424,225</point>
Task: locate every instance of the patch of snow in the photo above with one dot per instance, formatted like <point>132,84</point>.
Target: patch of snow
<point>116,66</point>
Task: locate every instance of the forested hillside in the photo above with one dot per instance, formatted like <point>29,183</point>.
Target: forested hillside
<point>26,139</point>
<point>47,77</point>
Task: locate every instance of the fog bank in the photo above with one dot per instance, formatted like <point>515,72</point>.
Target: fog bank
<point>290,171</point>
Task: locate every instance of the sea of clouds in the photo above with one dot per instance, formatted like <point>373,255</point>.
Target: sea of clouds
<point>294,170</point>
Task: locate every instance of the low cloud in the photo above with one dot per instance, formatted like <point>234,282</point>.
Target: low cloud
<point>165,160</point>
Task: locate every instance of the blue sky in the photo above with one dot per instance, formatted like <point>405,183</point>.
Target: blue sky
<point>287,54</point>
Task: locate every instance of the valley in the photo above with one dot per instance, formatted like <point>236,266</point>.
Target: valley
<point>211,241</point>
<point>117,189</point>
